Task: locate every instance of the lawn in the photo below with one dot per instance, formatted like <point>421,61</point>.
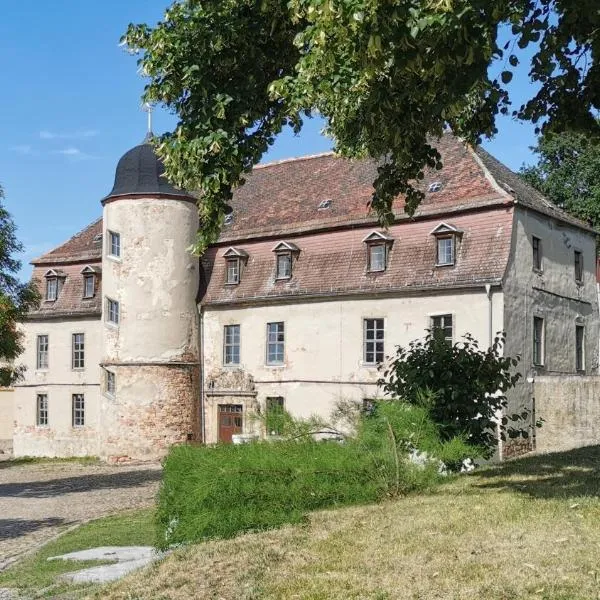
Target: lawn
<point>525,529</point>
<point>37,575</point>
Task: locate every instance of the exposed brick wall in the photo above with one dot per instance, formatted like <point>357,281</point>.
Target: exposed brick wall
<point>570,407</point>
<point>154,408</point>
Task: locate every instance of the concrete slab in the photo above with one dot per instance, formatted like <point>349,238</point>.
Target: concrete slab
<point>126,559</point>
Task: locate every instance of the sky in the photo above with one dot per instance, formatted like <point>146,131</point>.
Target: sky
<point>70,108</point>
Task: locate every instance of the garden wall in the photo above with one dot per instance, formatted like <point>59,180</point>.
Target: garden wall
<point>570,407</point>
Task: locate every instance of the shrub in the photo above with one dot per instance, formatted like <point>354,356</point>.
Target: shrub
<point>469,387</point>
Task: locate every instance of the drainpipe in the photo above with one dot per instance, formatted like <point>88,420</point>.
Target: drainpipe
<point>488,291</point>
<point>202,413</point>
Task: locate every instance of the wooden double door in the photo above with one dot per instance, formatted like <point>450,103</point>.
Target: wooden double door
<point>230,421</point>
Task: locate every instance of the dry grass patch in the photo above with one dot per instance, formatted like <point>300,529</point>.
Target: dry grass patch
<point>527,529</point>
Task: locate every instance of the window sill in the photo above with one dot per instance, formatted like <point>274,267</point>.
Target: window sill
<point>111,325</point>
<point>232,366</point>
<point>88,297</point>
<point>366,365</point>
<point>445,264</point>
<point>282,278</point>
<point>275,365</point>
<point>78,369</point>
<point>109,395</point>
<point>231,283</point>
<point>114,258</point>
<point>375,271</point>
<point>538,271</point>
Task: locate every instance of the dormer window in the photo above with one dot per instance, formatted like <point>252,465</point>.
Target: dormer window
<point>284,254</point>
<point>54,281</point>
<point>234,258</point>
<point>89,281</point>
<point>446,236</point>
<point>378,245</point>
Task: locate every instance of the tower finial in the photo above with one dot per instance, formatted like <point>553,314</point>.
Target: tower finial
<point>148,108</point>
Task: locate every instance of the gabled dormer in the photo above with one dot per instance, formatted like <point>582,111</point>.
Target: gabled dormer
<point>285,252</point>
<point>54,282</point>
<point>446,236</point>
<point>235,258</point>
<point>378,246</point>
<point>90,279</point>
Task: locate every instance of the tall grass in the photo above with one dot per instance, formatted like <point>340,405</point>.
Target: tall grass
<point>220,491</point>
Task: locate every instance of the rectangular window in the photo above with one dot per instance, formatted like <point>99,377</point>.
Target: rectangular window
<point>231,345</point>
<point>52,289</point>
<point>78,410</point>
<point>442,325</point>
<point>275,343</point>
<point>373,341</point>
<point>233,270</point>
<point>78,360</point>
<point>88,286</point>
<point>538,341</point>
<point>578,259</point>
<point>41,418</point>
<point>111,383</point>
<point>275,415</point>
<point>580,347</point>
<point>114,244</point>
<point>536,245</point>
<point>112,311</point>
<point>284,265</point>
<point>377,257</point>
<point>42,352</point>
<point>445,250</point>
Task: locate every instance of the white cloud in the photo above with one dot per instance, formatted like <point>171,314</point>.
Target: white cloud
<point>73,152</point>
<point>74,135</point>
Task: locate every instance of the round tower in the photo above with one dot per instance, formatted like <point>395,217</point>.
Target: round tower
<point>150,372</point>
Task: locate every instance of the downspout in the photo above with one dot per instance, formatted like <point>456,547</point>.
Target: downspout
<point>488,291</point>
<point>202,413</point>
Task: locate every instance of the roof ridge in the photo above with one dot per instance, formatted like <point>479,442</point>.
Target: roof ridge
<point>293,159</point>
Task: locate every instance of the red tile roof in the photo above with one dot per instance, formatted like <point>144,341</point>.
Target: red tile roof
<point>70,301</point>
<point>82,247</point>
<point>335,262</point>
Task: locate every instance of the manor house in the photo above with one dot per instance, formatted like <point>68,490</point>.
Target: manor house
<point>138,345</point>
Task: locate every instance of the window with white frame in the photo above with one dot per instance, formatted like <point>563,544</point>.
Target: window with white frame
<point>114,244</point>
<point>112,311</point>
<point>89,285</point>
<point>579,347</point>
<point>51,289</point>
<point>233,270</point>
<point>284,259</point>
<point>231,345</point>
<point>111,383</point>
<point>78,351</point>
<point>275,343</point>
<point>578,263</point>
<point>284,265</point>
<point>42,352</point>
<point>445,250</point>
<point>378,244</point>
<point>78,410</point>
<point>443,325</point>
<point>538,341</point>
<point>41,411</point>
<point>373,341</point>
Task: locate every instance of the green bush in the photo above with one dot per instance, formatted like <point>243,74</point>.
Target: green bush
<point>468,387</point>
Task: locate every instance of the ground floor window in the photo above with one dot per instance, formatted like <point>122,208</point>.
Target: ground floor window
<point>538,341</point>
<point>41,410</point>
<point>275,415</point>
<point>443,325</point>
<point>373,341</point>
<point>78,410</point>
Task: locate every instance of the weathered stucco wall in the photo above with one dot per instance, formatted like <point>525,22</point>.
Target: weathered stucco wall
<point>153,352</point>
<point>324,346</point>
<point>6,419</point>
<point>60,381</point>
<point>552,294</point>
<point>570,407</point>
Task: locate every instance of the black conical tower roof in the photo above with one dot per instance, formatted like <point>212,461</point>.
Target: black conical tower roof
<point>140,172</point>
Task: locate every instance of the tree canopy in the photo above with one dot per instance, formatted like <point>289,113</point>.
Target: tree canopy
<point>388,76</point>
<point>16,298</point>
<point>568,173</point>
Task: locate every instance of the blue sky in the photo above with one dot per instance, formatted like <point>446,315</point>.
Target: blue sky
<point>70,108</point>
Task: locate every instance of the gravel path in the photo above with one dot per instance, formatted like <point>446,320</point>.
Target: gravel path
<point>38,501</point>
